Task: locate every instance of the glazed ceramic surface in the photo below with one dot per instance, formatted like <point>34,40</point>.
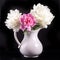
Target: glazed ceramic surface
<point>30,45</point>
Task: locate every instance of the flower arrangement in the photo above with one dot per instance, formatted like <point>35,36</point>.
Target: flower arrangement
<point>39,17</point>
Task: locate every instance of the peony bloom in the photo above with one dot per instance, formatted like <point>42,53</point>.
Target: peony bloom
<point>12,21</point>
<point>27,21</point>
<point>42,14</point>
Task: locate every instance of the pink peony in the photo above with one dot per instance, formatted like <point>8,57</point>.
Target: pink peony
<point>27,21</point>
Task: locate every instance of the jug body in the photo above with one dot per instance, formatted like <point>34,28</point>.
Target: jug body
<point>31,46</point>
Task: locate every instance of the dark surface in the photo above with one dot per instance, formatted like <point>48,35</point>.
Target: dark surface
<point>49,37</point>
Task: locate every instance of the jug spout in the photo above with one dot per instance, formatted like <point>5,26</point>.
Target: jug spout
<point>16,39</point>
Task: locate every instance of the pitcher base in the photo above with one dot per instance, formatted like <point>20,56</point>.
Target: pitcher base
<point>30,56</point>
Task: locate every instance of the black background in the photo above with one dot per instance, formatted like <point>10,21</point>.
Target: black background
<point>49,37</point>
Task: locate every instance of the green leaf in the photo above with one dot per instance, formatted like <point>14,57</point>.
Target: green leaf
<point>36,27</point>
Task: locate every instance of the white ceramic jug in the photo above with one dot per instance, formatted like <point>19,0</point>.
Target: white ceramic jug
<point>30,45</point>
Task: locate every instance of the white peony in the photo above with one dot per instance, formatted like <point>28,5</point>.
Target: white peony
<point>42,14</point>
<point>12,21</point>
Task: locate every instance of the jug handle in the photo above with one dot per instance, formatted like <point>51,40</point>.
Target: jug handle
<point>16,39</point>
